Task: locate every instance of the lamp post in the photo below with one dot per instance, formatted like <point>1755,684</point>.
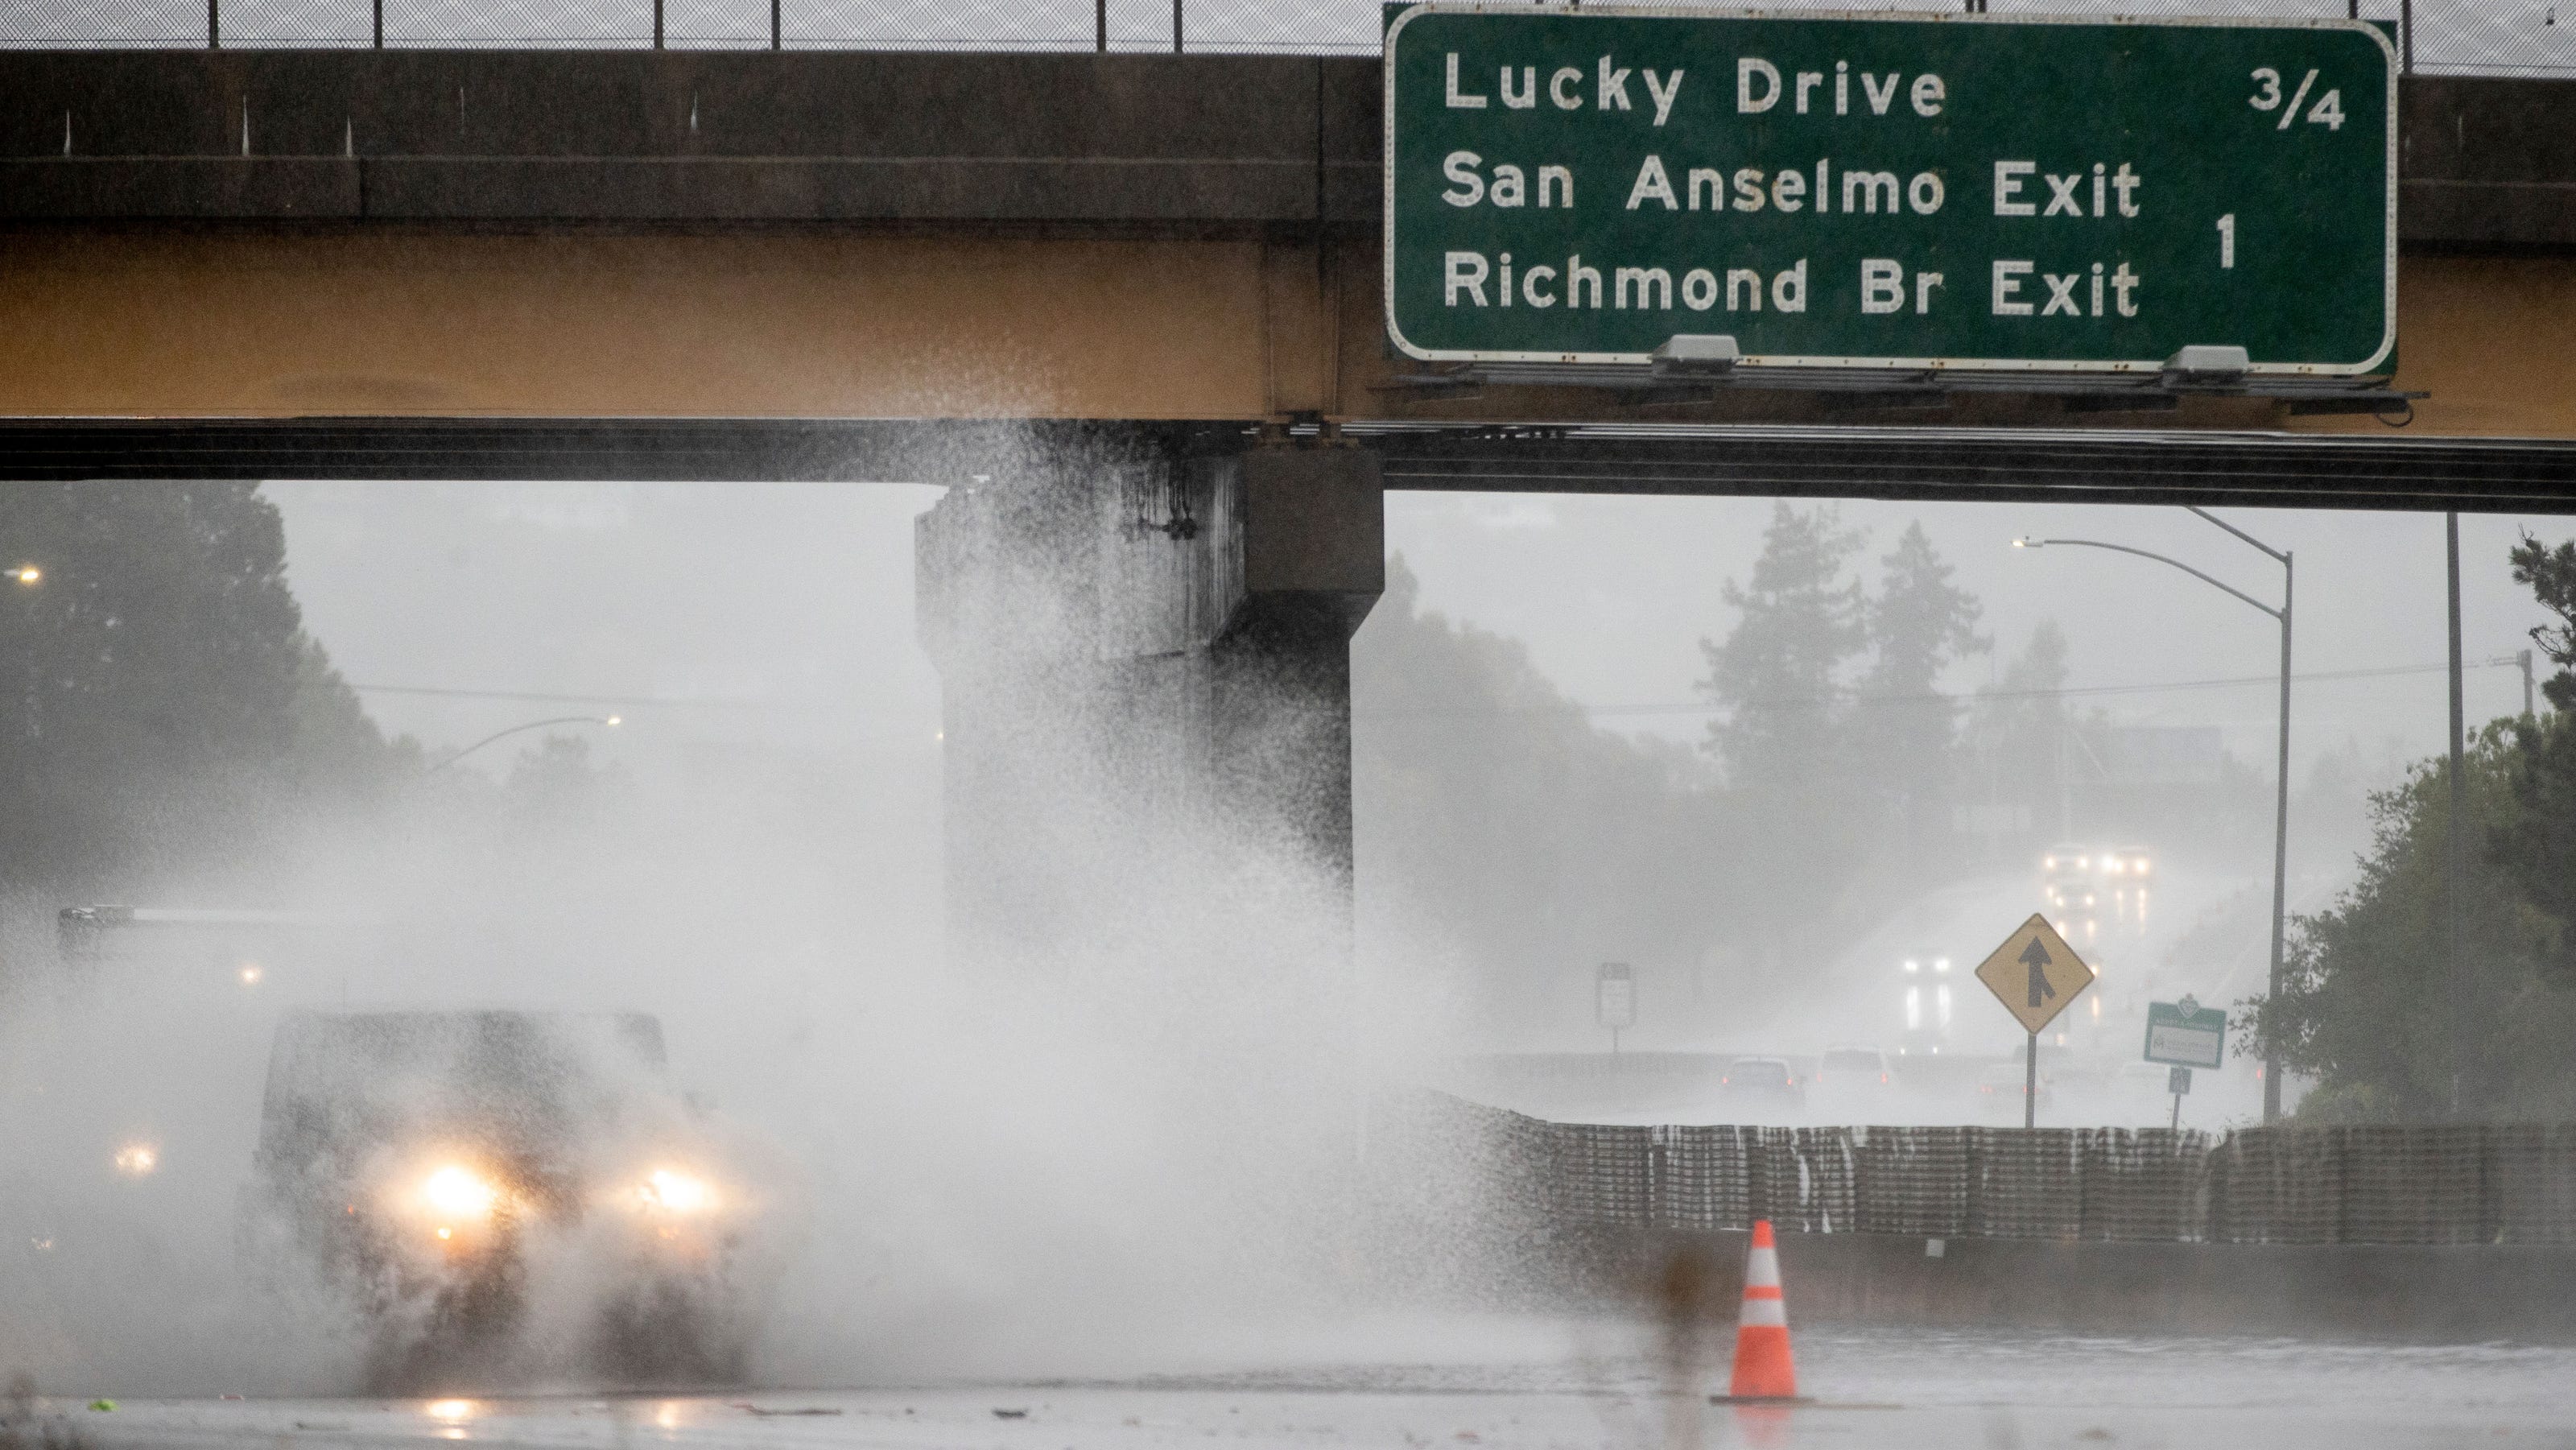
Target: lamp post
<point>611,721</point>
<point>2281,802</point>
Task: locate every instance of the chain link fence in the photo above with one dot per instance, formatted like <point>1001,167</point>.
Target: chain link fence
<point>2486,37</point>
<point>2448,1184</point>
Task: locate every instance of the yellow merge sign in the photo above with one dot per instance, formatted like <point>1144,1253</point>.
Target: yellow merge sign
<point>2035,973</point>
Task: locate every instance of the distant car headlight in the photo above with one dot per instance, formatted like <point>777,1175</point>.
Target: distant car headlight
<point>667,1190</point>
<point>457,1192</point>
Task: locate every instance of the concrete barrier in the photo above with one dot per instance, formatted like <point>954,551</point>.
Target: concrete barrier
<point>2425,1292</point>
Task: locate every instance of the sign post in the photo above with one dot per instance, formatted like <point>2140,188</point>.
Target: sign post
<point>2035,974</point>
<point>1614,1001</point>
<point>2185,1035</point>
<point>1720,189</point>
<point>2178,1082</point>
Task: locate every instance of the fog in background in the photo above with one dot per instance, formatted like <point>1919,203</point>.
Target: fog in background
<point>1614,594</point>
<point>765,632</point>
<point>1037,1178</point>
<point>783,612</point>
<point>1594,611</point>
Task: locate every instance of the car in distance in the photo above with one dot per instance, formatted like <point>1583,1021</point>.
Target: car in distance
<point>1767,1084</point>
<point>1926,979</point>
<point>2131,870</point>
<point>2084,886</point>
<point>2001,1087</point>
<point>2066,878</point>
<point>1850,1084</point>
<point>1852,1066</point>
<point>454,1178</point>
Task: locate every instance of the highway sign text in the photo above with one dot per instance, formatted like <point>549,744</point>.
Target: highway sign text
<point>1583,184</point>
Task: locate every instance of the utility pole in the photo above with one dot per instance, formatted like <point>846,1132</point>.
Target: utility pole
<point>2523,658</point>
<point>2280,844</point>
<point>2065,776</point>
<point>2455,837</point>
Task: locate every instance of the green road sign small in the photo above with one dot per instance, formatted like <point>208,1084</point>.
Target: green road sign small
<point>1615,996</point>
<point>2186,1034</point>
<point>1579,185</point>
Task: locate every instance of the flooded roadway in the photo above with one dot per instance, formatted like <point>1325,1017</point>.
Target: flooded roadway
<point>1543,1385</point>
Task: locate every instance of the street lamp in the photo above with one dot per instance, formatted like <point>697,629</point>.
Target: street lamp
<point>611,721</point>
<point>2281,804</point>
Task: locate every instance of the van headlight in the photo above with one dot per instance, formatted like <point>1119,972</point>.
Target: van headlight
<point>457,1191</point>
<point>671,1191</point>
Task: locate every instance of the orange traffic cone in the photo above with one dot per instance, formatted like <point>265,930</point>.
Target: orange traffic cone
<point>1762,1367</point>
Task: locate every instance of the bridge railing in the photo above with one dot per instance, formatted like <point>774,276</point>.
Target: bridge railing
<point>2490,37</point>
<point>2431,1184</point>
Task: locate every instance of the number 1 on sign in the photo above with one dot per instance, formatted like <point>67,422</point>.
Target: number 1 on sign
<point>2227,241</point>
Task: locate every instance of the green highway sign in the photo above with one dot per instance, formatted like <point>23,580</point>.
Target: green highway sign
<point>1574,185</point>
<point>2186,1034</point>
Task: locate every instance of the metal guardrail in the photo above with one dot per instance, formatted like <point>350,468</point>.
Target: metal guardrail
<point>2488,37</point>
<point>2446,1184</point>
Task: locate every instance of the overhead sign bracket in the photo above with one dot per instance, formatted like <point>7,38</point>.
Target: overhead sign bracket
<point>1694,353</point>
<point>2202,362</point>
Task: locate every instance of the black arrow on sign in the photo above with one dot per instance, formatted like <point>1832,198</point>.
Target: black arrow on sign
<point>2035,957</point>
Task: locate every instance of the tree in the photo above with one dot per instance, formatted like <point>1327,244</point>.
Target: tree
<point>2369,1006</point>
<point>2374,1004</point>
<point>2551,575</point>
<point>1919,625</point>
<point>2020,726</point>
<point>1786,736</point>
<point>169,717</point>
<point>1499,828</point>
<point>2537,845</point>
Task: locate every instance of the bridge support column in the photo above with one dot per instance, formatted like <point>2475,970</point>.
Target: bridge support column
<point>1146,665</point>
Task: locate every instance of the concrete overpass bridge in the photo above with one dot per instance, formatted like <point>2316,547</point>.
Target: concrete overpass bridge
<point>1126,305</point>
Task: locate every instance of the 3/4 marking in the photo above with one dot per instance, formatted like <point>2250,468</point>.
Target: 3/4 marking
<point>2290,112</point>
